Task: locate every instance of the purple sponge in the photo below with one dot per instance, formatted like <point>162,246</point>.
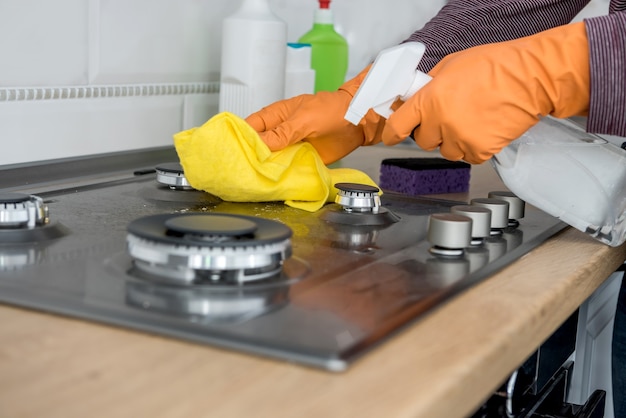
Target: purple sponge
<point>417,176</point>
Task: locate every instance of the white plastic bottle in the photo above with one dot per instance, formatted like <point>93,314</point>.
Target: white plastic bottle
<point>254,43</point>
<point>329,52</point>
<point>299,76</point>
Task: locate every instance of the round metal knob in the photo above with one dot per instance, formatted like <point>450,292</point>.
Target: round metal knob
<point>481,221</point>
<point>499,212</point>
<point>516,205</point>
<point>449,233</point>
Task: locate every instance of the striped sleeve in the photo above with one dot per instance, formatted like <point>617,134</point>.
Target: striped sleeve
<point>617,6</point>
<point>462,24</point>
<point>607,62</point>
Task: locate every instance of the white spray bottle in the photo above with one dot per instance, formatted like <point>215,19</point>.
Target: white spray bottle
<point>393,76</point>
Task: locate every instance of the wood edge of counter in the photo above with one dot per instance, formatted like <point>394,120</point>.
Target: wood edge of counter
<point>484,329</point>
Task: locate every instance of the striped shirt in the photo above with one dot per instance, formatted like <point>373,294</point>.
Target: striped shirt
<point>461,24</point>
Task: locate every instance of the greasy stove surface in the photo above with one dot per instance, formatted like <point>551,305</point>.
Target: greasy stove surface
<point>345,289</point>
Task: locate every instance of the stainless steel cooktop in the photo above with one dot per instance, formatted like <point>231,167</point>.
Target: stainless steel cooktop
<point>122,239</point>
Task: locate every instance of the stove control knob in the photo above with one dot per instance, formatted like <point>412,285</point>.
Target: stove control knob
<point>516,205</point>
<point>449,233</point>
<point>481,221</point>
<point>499,212</point>
<point>355,197</point>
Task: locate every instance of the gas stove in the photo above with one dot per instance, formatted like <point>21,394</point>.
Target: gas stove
<point>124,240</point>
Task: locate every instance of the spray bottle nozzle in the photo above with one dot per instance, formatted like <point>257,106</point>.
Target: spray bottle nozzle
<point>393,76</point>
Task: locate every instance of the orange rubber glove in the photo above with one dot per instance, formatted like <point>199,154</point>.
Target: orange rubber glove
<point>484,97</point>
<point>319,119</point>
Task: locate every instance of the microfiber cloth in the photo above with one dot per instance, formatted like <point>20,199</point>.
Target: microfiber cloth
<point>226,158</point>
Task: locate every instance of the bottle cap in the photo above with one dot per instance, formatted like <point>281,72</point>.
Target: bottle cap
<point>324,4</point>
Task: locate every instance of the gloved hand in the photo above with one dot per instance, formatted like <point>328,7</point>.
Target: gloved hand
<point>319,119</point>
<point>484,97</point>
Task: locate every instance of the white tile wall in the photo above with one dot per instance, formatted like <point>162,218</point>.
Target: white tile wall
<point>151,41</point>
<point>41,130</point>
<point>198,108</point>
<point>43,43</point>
<point>48,44</point>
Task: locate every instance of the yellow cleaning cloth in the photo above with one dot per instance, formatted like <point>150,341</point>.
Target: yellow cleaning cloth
<point>227,158</point>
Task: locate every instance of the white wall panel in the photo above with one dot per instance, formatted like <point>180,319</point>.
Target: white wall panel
<point>43,43</point>
<point>93,43</point>
<point>43,130</point>
<point>198,108</point>
<point>152,41</point>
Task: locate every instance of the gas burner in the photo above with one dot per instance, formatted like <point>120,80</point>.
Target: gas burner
<point>208,248</point>
<point>354,197</point>
<point>172,175</point>
<point>18,210</point>
<point>24,218</point>
<point>358,204</point>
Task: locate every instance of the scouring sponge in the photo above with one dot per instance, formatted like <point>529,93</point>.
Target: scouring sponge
<point>419,176</point>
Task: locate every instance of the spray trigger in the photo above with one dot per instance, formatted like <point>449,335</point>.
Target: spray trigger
<point>393,76</point>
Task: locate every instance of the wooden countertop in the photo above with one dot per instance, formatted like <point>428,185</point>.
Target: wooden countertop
<point>444,366</point>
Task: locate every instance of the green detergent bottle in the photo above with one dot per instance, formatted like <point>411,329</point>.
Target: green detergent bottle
<point>329,50</point>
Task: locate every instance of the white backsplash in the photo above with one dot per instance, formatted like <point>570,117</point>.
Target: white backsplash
<point>59,58</point>
<point>71,127</point>
<point>44,43</point>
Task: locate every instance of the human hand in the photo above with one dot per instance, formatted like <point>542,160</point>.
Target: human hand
<point>484,97</point>
<point>318,119</point>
